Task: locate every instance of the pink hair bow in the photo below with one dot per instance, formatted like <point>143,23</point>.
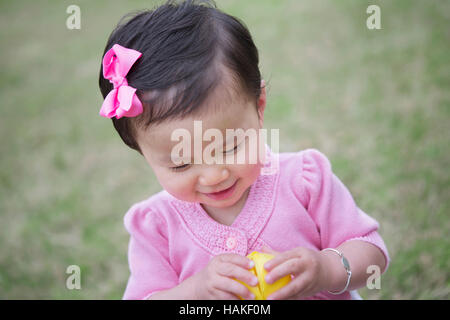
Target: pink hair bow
<point>122,101</point>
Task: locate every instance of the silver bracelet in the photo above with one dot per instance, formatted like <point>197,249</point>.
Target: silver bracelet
<point>346,266</point>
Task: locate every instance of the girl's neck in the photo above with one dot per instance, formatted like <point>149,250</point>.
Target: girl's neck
<point>227,215</point>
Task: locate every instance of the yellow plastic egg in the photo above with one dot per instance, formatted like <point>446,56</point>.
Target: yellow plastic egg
<point>262,290</point>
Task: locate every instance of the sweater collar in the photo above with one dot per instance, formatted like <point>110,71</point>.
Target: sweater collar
<point>245,229</point>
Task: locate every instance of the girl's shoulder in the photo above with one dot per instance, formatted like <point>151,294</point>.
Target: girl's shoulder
<point>303,162</point>
<point>148,211</point>
<point>303,171</point>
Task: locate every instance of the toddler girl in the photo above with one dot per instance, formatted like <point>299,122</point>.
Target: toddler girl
<point>188,63</point>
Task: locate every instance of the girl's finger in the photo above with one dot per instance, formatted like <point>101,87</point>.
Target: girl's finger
<point>289,291</point>
<point>236,259</point>
<point>224,295</point>
<point>292,266</point>
<point>234,288</point>
<point>280,258</point>
<point>233,271</point>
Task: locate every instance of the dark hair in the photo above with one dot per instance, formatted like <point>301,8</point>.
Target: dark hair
<point>188,49</point>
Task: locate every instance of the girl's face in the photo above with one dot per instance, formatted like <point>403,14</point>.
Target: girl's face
<point>214,185</point>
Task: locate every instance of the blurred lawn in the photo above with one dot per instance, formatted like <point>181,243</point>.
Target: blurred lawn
<point>376,102</point>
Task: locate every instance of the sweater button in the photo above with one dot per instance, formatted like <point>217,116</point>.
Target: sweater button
<point>231,243</point>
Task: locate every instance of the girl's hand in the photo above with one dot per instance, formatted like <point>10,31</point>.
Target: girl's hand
<point>307,267</point>
<point>216,282</point>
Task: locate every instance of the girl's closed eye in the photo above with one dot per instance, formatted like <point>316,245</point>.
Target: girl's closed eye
<point>180,168</point>
<point>185,166</point>
<point>234,149</point>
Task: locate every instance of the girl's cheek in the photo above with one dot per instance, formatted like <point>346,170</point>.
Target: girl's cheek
<point>180,187</point>
<point>254,171</point>
<point>250,171</point>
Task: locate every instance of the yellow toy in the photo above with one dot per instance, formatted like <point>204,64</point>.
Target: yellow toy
<point>262,290</point>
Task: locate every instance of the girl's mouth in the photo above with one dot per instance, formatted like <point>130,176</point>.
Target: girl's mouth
<point>222,194</point>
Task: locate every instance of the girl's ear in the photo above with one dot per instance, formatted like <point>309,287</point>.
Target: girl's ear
<point>262,103</point>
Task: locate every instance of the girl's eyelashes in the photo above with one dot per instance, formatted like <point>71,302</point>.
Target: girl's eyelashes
<point>185,166</point>
<point>179,168</point>
<point>234,149</point>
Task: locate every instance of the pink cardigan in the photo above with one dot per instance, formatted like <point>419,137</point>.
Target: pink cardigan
<point>301,204</point>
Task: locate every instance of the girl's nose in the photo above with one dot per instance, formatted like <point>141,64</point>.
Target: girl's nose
<point>213,175</point>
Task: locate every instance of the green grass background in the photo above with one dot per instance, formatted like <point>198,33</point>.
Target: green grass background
<point>376,102</point>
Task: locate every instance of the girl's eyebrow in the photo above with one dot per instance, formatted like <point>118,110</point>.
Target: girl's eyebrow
<point>168,159</point>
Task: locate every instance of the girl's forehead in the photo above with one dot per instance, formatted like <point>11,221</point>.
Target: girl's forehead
<point>237,114</point>
<point>159,138</point>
